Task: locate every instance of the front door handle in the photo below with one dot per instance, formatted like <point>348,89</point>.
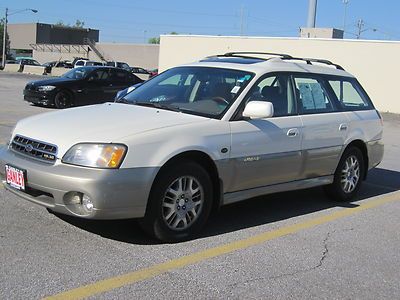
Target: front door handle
<point>293,132</point>
<point>343,127</point>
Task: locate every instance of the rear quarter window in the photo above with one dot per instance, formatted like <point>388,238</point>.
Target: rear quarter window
<point>349,94</point>
<point>312,97</point>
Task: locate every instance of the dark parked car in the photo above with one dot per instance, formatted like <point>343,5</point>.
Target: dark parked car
<point>57,64</point>
<point>80,86</point>
<point>27,61</point>
<point>139,70</point>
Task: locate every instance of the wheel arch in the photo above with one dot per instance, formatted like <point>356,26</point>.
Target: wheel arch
<point>360,144</point>
<point>205,161</point>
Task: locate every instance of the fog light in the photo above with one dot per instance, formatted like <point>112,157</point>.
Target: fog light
<point>75,199</point>
<point>87,202</point>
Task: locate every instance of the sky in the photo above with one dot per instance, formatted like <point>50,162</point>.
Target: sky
<point>130,21</point>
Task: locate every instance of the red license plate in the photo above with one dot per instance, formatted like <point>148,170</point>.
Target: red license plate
<point>15,177</point>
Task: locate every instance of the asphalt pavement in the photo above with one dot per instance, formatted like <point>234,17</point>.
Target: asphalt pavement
<point>294,245</point>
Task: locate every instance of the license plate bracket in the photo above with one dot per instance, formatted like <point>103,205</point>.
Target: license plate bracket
<point>16,177</point>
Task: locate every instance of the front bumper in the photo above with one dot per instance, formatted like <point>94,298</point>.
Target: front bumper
<point>116,193</point>
<point>44,98</point>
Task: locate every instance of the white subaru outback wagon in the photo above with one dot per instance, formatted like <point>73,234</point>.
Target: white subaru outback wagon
<point>221,130</point>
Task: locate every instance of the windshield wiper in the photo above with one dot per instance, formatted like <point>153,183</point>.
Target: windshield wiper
<point>123,100</point>
<point>157,105</point>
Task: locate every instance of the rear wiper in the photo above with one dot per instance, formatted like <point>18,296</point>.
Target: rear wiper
<point>157,105</point>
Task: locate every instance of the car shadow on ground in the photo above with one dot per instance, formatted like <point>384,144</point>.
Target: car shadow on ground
<point>250,213</point>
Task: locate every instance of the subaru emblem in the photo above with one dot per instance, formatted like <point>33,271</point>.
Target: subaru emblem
<point>28,148</point>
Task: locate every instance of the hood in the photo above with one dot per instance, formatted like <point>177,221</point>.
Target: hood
<point>103,123</point>
<point>51,81</point>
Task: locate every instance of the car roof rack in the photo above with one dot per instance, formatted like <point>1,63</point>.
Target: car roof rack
<point>309,61</point>
<point>243,54</point>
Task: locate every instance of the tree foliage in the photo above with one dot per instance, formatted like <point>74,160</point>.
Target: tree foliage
<point>78,24</point>
<point>156,40</point>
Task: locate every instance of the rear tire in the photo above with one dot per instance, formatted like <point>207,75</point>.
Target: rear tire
<point>180,202</point>
<point>63,99</point>
<point>348,176</point>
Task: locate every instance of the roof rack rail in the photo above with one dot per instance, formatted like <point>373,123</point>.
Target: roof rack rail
<point>243,54</point>
<point>311,60</point>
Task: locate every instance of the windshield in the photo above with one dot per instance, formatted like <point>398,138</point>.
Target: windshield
<point>77,73</point>
<point>196,90</point>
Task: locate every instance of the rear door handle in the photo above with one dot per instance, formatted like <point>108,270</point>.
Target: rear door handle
<point>343,127</point>
<point>293,132</point>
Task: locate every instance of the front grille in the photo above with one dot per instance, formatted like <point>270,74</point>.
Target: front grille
<point>36,149</point>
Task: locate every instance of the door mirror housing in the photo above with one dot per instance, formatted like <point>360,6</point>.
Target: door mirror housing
<point>258,110</point>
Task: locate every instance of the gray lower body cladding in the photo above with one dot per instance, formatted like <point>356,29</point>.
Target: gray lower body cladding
<point>116,193</point>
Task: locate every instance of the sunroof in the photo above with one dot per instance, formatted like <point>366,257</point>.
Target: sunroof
<point>233,60</point>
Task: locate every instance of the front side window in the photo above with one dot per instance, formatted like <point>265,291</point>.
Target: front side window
<point>349,94</point>
<point>195,90</point>
<point>312,96</point>
<point>277,90</point>
<point>77,73</point>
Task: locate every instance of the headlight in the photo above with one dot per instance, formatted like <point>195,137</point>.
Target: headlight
<point>96,155</point>
<point>46,88</point>
<point>9,140</point>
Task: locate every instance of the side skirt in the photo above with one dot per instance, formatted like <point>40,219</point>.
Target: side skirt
<point>276,188</point>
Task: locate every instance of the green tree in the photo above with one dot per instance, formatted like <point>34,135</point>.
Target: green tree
<point>156,40</point>
<point>78,24</point>
<point>1,39</point>
<point>60,23</point>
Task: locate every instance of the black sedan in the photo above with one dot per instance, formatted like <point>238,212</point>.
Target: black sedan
<point>80,86</point>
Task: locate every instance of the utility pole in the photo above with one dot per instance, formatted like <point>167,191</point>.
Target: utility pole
<point>241,21</point>
<point>345,2</point>
<point>360,25</point>
<point>144,36</point>
<point>3,61</point>
<point>312,13</point>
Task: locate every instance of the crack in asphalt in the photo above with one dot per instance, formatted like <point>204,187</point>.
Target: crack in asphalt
<point>323,257</point>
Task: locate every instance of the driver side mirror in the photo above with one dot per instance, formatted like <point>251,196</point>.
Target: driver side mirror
<point>258,110</point>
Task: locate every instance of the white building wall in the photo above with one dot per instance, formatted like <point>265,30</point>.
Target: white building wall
<point>374,63</point>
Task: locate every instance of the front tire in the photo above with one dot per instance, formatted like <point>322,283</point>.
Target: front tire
<point>348,176</point>
<point>63,99</point>
<point>179,203</point>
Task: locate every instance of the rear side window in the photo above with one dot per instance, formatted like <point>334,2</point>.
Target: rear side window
<point>350,94</point>
<point>312,96</point>
<point>101,74</point>
<point>118,75</point>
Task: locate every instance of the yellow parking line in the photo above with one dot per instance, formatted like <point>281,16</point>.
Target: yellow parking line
<point>150,272</point>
